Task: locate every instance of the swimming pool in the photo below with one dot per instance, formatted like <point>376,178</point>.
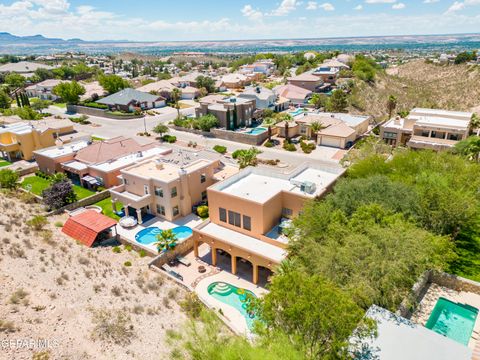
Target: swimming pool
<point>297,112</point>
<point>149,235</point>
<point>453,320</point>
<point>236,297</point>
<point>256,131</point>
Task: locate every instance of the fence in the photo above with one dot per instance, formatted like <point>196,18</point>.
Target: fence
<point>100,112</point>
<point>244,138</point>
<point>181,249</point>
<point>81,203</point>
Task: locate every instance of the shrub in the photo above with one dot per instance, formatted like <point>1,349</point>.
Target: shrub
<point>95,105</point>
<point>128,247</point>
<point>8,179</point>
<point>307,147</point>
<point>127,263</point>
<point>112,326</point>
<point>142,253</point>
<point>220,149</point>
<point>268,144</point>
<point>289,146</point>
<point>116,249</point>
<point>191,305</point>
<point>169,138</point>
<point>7,326</point>
<point>202,211</point>
<point>59,194</point>
<point>37,222</point>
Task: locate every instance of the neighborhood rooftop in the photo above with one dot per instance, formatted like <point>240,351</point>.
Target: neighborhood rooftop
<point>125,96</point>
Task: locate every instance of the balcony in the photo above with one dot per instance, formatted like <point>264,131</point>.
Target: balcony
<point>120,194</point>
<point>423,142</point>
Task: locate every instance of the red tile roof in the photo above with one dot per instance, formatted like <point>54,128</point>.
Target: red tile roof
<point>85,226</point>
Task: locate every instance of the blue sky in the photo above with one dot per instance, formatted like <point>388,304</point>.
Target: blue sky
<point>159,20</point>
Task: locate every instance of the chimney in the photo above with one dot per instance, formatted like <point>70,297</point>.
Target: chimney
<point>397,120</point>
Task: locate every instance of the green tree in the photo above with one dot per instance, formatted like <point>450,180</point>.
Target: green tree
<point>391,105</point>
<point>160,129</point>
<point>246,157</point>
<point>207,122</point>
<point>8,179</point>
<point>40,105</point>
<point>15,80</point>
<point>470,148</point>
<point>166,240</point>
<point>317,316</point>
<point>5,101</point>
<point>318,100</point>
<point>176,96</point>
<point>113,83</point>
<point>205,82</point>
<point>337,101</point>
<point>69,91</point>
<point>315,127</point>
<point>474,122</point>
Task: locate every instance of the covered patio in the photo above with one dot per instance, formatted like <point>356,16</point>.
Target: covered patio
<point>90,226</point>
<point>141,204</point>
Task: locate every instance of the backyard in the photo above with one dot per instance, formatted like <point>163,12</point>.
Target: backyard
<point>106,205</point>
<point>4,163</point>
<point>36,185</point>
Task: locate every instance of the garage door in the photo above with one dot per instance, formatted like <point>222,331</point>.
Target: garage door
<point>331,141</point>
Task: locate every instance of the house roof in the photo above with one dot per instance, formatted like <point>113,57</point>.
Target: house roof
<point>161,85</point>
<point>86,226</point>
<point>24,67</point>
<point>306,76</point>
<point>258,92</point>
<point>126,96</point>
<point>339,130</point>
<point>290,91</point>
<point>110,149</point>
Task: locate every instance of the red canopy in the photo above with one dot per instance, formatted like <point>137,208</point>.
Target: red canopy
<point>86,226</point>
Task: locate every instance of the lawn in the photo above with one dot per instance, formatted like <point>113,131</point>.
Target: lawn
<point>107,210</point>
<point>4,163</point>
<point>38,184</point>
<point>60,105</point>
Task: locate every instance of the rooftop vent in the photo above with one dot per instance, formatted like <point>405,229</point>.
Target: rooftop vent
<point>158,165</point>
<point>139,154</point>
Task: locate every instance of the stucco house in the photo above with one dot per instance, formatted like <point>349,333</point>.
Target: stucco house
<point>43,90</point>
<point>306,81</point>
<point>295,94</point>
<point>264,98</point>
<point>130,100</point>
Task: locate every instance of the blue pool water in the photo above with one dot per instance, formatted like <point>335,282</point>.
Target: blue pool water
<point>235,297</point>
<point>453,320</point>
<point>257,130</point>
<point>297,112</point>
<point>149,235</point>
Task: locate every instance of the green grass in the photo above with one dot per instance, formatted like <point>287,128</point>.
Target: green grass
<point>96,138</point>
<point>39,184</point>
<point>4,163</point>
<point>61,105</point>
<point>107,210</point>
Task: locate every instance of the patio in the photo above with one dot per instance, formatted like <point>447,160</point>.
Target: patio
<point>128,234</point>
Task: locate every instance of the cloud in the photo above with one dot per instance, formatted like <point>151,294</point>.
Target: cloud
<point>380,1</point>
<point>312,5</point>
<point>398,6</point>
<point>327,7</point>
<point>456,6</point>
<point>430,1</point>
<point>285,7</point>
<point>358,7</point>
<point>249,12</point>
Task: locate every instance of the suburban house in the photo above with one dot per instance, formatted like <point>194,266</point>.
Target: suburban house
<point>20,140</point>
<point>334,63</point>
<point>427,129</point>
<point>264,98</point>
<point>338,130</point>
<point>328,74</point>
<point>263,67</point>
<point>130,100</point>
<point>296,95</point>
<point>306,81</point>
<point>95,164</point>
<point>24,68</point>
<point>91,89</point>
<point>236,80</point>
<point>250,210</point>
<point>168,186</point>
<point>43,90</point>
<point>220,105</point>
<point>164,88</point>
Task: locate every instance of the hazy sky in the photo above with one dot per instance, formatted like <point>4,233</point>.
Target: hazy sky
<point>231,19</point>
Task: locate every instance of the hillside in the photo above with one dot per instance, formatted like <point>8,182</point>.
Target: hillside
<point>419,84</point>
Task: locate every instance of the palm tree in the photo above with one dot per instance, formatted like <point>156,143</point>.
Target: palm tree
<point>286,131</point>
<point>166,240</point>
<point>315,127</point>
<point>391,105</point>
<point>176,96</point>
<point>248,157</point>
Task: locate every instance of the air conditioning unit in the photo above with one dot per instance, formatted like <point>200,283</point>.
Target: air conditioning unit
<point>308,187</point>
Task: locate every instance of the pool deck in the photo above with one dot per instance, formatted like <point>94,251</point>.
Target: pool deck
<point>434,292</point>
<point>190,220</point>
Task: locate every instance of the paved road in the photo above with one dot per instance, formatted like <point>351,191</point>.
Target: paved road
<point>109,128</point>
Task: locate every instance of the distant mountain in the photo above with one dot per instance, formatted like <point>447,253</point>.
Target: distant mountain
<point>7,39</point>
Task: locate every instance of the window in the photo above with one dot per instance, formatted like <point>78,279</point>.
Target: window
<point>287,212</point>
<point>234,218</point>
<point>433,134</point>
<point>247,222</point>
<point>389,135</point>
<point>146,189</point>
<point>223,215</point>
<point>425,133</point>
<point>453,137</point>
<point>161,210</point>
<point>174,192</point>
<point>158,191</point>
<point>125,181</point>
<point>175,211</point>
<point>203,178</point>
<point>204,195</point>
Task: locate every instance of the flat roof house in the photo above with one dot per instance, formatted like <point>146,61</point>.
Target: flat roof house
<point>427,129</point>
<point>166,186</point>
<point>264,98</point>
<point>130,100</point>
<point>20,140</point>
<point>220,105</point>
<point>249,209</point>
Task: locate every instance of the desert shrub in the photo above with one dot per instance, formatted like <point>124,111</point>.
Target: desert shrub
<point>169,138</point>
<point>18,296</point>
<point>191,305</point>
<point>142,253</point>
<point>117,249</point>
<point>58,224</point>
<point>128,247</point>
<point>38,222</point>
<point>112,326</point>
<point>7,326</point>
<point>268,144</point>
<point>220,149</point>
<point>307,148</point>
<point>289,146</point>
<point>127,263</point>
